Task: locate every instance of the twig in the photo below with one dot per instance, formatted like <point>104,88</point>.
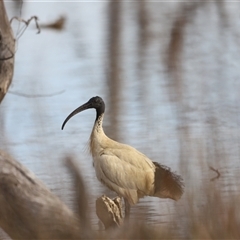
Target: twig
<point>216,171</point>
<point>36,95</point>
<point>20,33</point>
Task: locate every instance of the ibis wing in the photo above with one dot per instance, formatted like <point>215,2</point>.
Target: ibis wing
<point>131,156</point>
<point>134,166</point>
<point>123,177</point>
<point>122,173</point>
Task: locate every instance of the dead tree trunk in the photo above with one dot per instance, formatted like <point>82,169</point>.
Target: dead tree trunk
<point>7,52</point>
<point>28,210</point>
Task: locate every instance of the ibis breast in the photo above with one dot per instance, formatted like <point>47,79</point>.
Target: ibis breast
<point>125,170</point>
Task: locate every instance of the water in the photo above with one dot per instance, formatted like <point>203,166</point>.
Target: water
<point>188,124</point>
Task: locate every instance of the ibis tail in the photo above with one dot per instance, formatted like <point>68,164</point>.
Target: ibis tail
<point>166,183</point>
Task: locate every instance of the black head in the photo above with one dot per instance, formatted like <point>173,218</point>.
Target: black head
<point>94,102</point>
<point>97,103</point>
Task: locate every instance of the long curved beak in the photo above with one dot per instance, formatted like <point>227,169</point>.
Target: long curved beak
<point>85,106</point>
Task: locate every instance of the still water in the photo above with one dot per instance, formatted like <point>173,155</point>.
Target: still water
<point>188,126</point>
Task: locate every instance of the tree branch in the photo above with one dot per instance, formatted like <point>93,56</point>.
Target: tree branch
<point>7,52</point>
<point>28,210</point>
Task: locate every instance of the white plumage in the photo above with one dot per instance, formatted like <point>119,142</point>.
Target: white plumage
<point>124,169</point>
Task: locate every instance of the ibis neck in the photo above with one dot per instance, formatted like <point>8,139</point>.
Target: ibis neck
<point>98,123</point>
<point>100,111</point>
<point>98,137</point>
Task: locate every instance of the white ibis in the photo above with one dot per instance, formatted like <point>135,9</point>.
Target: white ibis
<point>125,170</point>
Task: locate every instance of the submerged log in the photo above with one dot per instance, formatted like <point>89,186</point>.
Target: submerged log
<point>109,211</point>
<point>28,210</point>
<point>7,52</point>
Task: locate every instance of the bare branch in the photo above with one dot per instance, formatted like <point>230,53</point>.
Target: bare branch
<point>26,22</point>
<point>7,52</point>
<point>36,95</point>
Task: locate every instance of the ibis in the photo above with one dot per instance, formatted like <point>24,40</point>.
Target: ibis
<point>125,170</point>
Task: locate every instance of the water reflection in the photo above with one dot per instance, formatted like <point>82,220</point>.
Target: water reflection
<point>114,68</point>
<point>188,122</point>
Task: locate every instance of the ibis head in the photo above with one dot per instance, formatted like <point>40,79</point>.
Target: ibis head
<point>94,102</point>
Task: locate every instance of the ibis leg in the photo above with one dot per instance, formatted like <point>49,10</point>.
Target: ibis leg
<point>127,208</point>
